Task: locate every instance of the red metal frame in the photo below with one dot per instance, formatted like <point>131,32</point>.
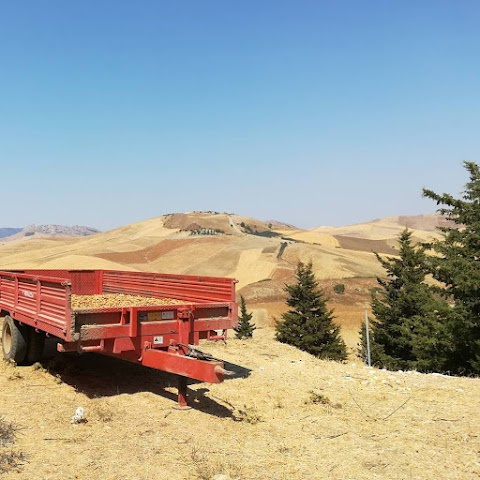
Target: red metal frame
<point>150,335</point>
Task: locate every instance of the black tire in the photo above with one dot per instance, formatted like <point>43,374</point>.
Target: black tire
<point>35,345</point>
<point>14,343</point>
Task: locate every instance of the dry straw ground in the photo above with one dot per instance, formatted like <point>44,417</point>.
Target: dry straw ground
<point>284,415</point>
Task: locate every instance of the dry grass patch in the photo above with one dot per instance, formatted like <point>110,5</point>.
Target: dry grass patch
<point>11,461</point>
<point>214,465</point>
<point>10,458</point>
<point>248,414</point>
<point>103,410</point>
<point>8,432</point>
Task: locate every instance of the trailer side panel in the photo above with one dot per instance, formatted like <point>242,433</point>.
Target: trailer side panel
<point>39,301</point>
<point>181,287</point>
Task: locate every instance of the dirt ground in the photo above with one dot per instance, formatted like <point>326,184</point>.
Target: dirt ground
<point>283,415</point>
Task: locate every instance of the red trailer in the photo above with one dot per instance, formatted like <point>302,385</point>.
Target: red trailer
<point>38,303</point>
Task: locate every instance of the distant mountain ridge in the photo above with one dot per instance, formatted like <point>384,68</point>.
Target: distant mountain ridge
<point>53,230</point>
<point>7,231</point>
<point>47,231</point>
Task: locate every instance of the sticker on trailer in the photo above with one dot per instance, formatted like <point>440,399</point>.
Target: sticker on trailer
<point>28,294</point>
<point>153,316</point>
<point>158,340</point>
<point>168,315</point>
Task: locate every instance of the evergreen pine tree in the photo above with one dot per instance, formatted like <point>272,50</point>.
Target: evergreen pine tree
<point>456,264</point>
<point>245,326</point>
<point>408,330</point>
<point>308,324</point>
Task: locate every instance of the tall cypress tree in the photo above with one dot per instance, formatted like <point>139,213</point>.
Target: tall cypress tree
<point>308,324</point>
<point>456,264</point>
<point>408,329</point>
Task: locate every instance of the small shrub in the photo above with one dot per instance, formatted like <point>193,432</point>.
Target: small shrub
<point>11,460</point>
<point>15,375</point>
<point>8,432</point>
<point>317,398</point>
<point>248,415</point>
<point>339,288</point>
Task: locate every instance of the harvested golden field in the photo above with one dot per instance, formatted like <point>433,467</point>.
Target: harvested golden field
<point>284,415</point>
<point>309,236</point>
<point>422,226</point>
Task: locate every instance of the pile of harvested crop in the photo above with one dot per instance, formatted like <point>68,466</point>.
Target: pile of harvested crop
<point>115,300</point>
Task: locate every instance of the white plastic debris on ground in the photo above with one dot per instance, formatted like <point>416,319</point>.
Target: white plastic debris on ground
<point>79,416</point>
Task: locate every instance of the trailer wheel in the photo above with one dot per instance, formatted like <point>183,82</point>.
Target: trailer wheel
<point>14,344</point>
<point>35,345</point>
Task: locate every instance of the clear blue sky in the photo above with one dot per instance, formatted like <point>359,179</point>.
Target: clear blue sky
<point>311,112</point>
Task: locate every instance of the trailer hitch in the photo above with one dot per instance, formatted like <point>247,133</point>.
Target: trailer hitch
<point>198,354</point>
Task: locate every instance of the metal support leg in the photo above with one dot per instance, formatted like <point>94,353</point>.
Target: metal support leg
<point>182,393</point>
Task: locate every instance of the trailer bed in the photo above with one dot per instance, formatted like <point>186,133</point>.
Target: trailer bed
<point>43,299</point>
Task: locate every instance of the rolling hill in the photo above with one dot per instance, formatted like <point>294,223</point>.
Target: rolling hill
<point>388,228</point>
<point>262,256</point>
<point>241,247</point>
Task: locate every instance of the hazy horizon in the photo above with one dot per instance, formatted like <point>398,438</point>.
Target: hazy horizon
<point>233,213</point>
